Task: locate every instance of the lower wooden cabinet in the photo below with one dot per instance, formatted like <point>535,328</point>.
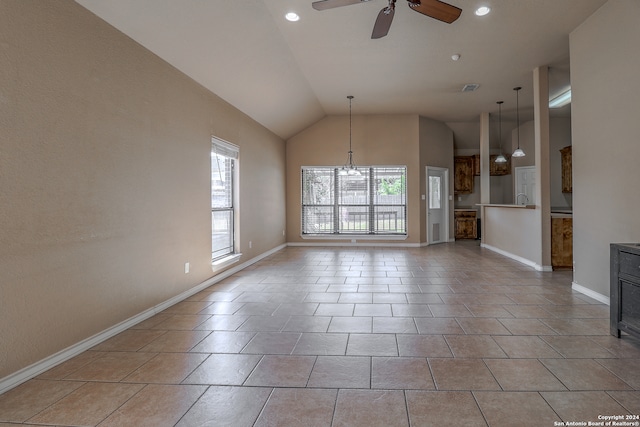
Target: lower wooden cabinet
<point>465,224</point>
<point>562,243</point>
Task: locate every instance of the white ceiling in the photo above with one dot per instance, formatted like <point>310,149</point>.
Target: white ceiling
<point>287,76</point>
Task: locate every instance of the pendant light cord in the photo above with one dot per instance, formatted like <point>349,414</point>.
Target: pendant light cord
<point>350,151</point>
<point>517,89</point>
<point>500,124</point>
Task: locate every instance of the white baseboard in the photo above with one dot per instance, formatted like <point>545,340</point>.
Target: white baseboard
<point>518,258</point>
<point>591,293</point>
<point>47,363</point>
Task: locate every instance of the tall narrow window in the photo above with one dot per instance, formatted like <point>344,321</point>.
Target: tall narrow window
<point>223,163</point>
<point>373,202</point>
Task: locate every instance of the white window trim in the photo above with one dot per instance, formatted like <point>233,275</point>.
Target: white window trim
<point>221,263</point>
<point>233,151</point>
<point>360,236</point>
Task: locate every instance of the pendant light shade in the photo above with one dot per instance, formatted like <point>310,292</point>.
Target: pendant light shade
<point>350,168</point>
<point>518,152</point>
<point>500,158</point>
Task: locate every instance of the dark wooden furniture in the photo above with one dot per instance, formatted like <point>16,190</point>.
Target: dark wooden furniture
<point>463,175</point>
<point>625,289</point>
<point>567,185</point>
<point>561,243</point>
<point>465,224</point>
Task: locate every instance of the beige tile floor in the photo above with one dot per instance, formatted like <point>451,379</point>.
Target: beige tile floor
<point>445,335</point>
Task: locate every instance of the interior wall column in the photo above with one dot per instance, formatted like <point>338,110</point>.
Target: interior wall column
<point>543,188</point>
<point>485,182</point>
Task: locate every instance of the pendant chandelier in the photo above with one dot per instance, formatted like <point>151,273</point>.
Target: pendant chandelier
<point>350,168</point>
<point>501,158</point>
<point>518,152</point>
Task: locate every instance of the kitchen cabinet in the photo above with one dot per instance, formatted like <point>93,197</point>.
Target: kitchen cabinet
<point>561,242</point>
<point>495,169</point>
<point>499,169</point>
<point>476,164</point>
<point>463,174</point>
<point>625,289</point>
<point>567,185</point>
<point>465,224</point>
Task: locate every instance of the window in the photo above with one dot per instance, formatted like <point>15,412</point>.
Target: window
<point>435,188</point>
<point>373,202</point>
<point>223,162</point>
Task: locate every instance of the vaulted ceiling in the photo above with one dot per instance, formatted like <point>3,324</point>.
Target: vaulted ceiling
<point>288,75</point>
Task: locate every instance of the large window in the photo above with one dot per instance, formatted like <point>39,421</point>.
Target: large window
<point>223,162</point>
<point>373,202</point>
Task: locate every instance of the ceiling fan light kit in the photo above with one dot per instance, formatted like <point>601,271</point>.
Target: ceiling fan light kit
<point>435,9</point>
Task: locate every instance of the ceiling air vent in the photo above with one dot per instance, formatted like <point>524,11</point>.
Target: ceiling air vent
<point>470,87</point>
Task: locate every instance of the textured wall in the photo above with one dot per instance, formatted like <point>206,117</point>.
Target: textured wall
<point>104,179</point>
<point>376,140</point>
<point>605,131</point>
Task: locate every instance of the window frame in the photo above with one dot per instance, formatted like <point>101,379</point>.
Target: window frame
<point>337,231</point>
<point>228,151</point>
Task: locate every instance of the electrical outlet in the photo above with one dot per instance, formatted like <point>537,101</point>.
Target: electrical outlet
<point>249,244</point>
<point>187,267</point>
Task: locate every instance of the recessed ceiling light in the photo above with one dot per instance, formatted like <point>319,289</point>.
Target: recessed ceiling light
<point>292,16</point>
<point>483,10</point>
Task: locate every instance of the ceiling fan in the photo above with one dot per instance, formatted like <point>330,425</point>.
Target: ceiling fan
<point>435,9</point>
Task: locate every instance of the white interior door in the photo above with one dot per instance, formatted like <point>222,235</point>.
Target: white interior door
<point>437,205</point>
<point>525,189</point>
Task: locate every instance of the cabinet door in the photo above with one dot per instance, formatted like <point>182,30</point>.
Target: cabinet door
<point>498,169</point>
<point>463,175</point>
<point>567,185</point>
<point>465,225</point>
<point>562,242</point>
<point>465,228</point>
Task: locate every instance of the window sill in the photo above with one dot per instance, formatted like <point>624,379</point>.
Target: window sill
<point>354,237</point>
<point>224,262</point>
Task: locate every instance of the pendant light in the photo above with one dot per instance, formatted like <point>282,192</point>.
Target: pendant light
<point>518,152</point>
<point>501,158</point>
<point>350,168</point>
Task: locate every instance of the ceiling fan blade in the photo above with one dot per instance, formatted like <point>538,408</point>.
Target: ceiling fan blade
<point>383,23</point>
<point>436,9</point>
<point>330,4</point>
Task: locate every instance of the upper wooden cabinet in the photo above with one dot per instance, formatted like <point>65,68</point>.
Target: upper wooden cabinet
<point>495,169</point>
<point>498,169</point>
<point>463,174</point>
<point>567,185</point>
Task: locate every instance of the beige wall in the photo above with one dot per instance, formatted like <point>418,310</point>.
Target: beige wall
<point>513,231</point>
<point>376,140</point>
<point>436,149</point>
<point>559,137</point>
<point>104,179</point>
<point>606,138</point>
